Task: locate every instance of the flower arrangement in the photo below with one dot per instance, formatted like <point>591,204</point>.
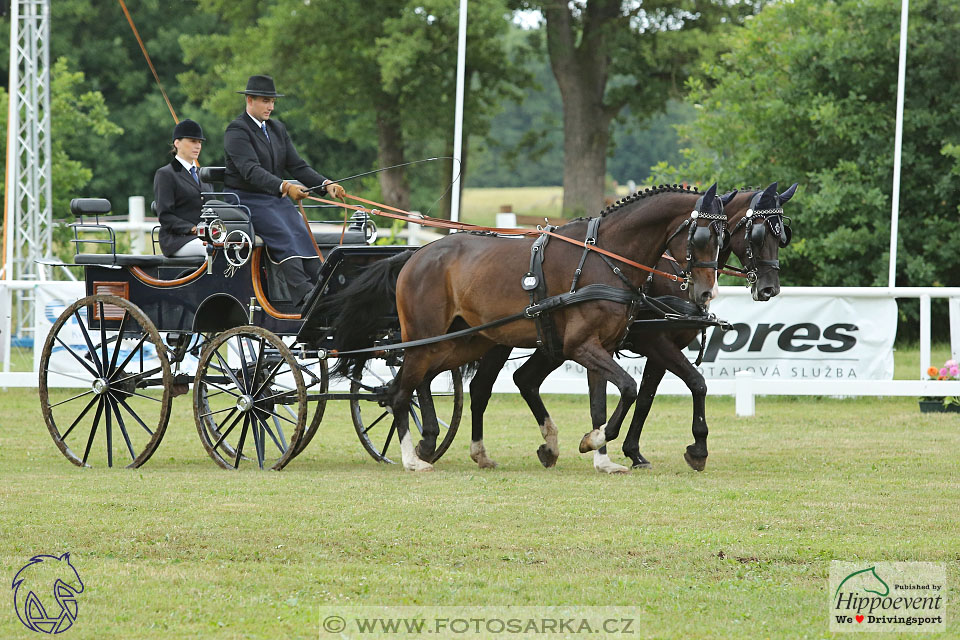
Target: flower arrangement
<point>949,371</point>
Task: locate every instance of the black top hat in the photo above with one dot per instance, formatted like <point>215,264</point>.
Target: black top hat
<point>188,129</point>
<point>261,86</point>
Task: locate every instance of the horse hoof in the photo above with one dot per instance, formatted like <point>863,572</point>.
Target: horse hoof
<point>592,441</point>
<point>487,463</point>
<point>419,465</point>
<point>641,464</point>
<point>697,464</point>
<point>422,451</point>
<point>547,457</point>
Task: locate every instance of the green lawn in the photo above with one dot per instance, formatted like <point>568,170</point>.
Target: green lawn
<point>183,549</point>
<point>480,206</point>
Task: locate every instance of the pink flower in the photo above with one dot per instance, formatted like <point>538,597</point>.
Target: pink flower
<point>943,373</point>
<point>950,363</point>
<point>954,371</point>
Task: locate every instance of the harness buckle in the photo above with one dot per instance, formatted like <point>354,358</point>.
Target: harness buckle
<point>751,277</point>
<point>590,241</point>
<point>685,284</point>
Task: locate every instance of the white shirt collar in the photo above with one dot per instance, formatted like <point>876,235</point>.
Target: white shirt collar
<point>259,124</point>
<point>186,165</point>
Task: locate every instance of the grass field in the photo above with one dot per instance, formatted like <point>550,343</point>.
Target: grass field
<point>182,549</point>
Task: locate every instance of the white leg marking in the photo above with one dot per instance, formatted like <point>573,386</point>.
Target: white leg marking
<point>603,463</point>
<point>478,453</point>
<point>409,456</point>
<point>593,440</point>
<point>549,432</point>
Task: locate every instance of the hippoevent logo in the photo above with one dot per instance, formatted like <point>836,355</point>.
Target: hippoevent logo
<point>45,593</point>
<point>887,596</point>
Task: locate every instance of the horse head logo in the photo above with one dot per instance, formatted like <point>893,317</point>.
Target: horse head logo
<point>866,579</point>
<point>42,576</point>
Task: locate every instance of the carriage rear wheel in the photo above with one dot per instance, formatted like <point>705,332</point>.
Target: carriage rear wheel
<point>99,363</point>
<point>249,394</point>
<point>374,424</point>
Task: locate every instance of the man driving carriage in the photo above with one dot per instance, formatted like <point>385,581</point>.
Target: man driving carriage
<point>259,152</point>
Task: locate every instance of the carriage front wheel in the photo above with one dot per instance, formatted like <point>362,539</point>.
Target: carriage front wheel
<point>249,394</point>
<point>374,424</point>
<point>105,383</point>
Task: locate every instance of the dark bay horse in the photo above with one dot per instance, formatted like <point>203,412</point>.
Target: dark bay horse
<point>755,239</point>
<point>468,280</point>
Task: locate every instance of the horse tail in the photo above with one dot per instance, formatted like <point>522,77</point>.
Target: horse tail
<point>361,312</point>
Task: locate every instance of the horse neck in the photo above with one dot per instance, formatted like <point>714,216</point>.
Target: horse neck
<point>640,233</point>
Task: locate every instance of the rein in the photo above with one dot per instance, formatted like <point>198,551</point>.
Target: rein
<point>426,221</point>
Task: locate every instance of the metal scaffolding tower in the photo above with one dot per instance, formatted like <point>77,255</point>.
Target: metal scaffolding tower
<point>29,220</point>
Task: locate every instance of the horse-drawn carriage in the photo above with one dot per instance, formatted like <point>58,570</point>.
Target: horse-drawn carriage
<point>151,327</point>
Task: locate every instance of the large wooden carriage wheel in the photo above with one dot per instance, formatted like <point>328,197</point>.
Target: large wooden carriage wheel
<point>374,424</point>
<point>116,409</point>
<point>254,402</point>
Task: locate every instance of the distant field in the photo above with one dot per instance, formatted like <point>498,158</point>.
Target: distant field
<point>480,206</point>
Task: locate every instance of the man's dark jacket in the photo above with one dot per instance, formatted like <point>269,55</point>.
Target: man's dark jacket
<point>178,201</point>
<point>253,164</point>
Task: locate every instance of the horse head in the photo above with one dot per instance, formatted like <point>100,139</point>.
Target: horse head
<point>757,237</point>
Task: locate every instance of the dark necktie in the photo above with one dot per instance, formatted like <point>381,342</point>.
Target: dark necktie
<point>193,172</point>
<point>264,127</point>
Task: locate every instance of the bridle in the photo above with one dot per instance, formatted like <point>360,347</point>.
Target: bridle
<point>698,237</point>
<point>756,224</point>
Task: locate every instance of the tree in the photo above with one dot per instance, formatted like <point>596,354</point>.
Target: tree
<point>808,93</point>
<point>378,75</point>
<point>610,54</point>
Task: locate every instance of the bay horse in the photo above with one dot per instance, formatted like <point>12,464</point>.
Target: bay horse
<point>755,239</point>
<point>467,280</point>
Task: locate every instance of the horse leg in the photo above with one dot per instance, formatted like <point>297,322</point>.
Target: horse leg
<point>399,399</point>
<point>598,415</point>
<point>672,357</point>
<point>595,358</point>
<point>528,379</point>
<point>429,426</point>
<point>652,375</point>
<point>481,387</point>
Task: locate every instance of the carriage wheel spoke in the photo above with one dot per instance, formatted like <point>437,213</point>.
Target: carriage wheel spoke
<point>269,378</point>
<point>267,428</point>
<point>213,413</point>
<point>140,374</point>
<point>223,436</point>
<point>90,348</point>
<point>69,375</point>
<point>230,372</point>
<point>123,428</point>
<point>247,384</point>
<point>374,423</point>
<point>70,399</point>
<point>243,437</point>
<point>123,403</point>
<point>386,445</point>
<point>210,383</point>
<point>279,427</point>
<point>63,438</point>
<point>103,354</point>
<point>85,364</point>
<point>257,439</point>
<point>108,415</point>
<point>133,352</point>
<point>139,395</point>
<point>93,430</point>
<point>116,348</point>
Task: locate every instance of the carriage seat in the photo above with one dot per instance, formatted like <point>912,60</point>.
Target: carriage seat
<point>130,260</point>
<point>89,206</point>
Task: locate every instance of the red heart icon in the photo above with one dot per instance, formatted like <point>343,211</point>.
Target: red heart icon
<point>859,619</point>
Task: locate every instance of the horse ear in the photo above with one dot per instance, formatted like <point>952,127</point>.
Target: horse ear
<point>771,190</point>
<point>727,197</point>
<point>710,193</point>
<point>786,195</point>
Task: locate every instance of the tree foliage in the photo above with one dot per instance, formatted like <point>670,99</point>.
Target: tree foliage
<point>807,93</point>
